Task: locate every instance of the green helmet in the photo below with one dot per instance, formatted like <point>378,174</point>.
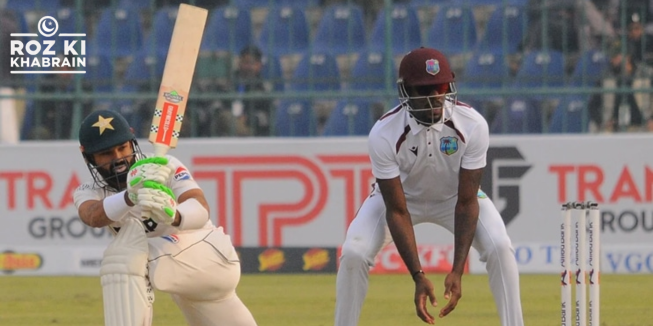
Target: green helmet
<point>102,130</point>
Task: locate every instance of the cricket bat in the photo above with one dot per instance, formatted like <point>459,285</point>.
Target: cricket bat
<point>177,77</point>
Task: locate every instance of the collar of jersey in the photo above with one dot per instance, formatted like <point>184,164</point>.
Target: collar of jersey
<point>416,127</point>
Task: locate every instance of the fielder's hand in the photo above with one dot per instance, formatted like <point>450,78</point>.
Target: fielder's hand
<point>158,202</point>
<point>148,169</point>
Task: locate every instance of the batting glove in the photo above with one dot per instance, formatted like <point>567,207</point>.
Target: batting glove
<point>148,169</point>
<point>157,202</point>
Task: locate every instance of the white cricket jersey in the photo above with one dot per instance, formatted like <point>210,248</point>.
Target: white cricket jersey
<point>428,158</point>
<point>181,182</point>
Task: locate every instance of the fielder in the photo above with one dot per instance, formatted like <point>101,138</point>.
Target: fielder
<point>165,239</point>
<point>428,155</point>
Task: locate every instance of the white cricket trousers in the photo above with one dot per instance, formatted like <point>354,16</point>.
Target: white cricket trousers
<point>201,271</point>
<point>369,233</point>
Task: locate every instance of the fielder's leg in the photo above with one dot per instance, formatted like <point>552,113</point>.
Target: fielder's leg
<point>494,245</point>
<point>367,234</point>
<point>125,289</point>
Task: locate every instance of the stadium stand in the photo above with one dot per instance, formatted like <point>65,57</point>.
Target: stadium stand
<point>273,73</point>
<point>341,30</point>
<point>453,30</point>
<point>119,33</point>
<point>229,29</point>
<point>32,5</point>
<point>504,70</point>
<point>505,29</point>
<point>285,31</point>
<point>158,40</point>
<point>353,117</point>
<point>405,33</point>
<point>294,118</point>
<point>316,72</point>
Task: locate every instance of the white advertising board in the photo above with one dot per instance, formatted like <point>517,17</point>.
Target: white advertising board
<point>304,192</point>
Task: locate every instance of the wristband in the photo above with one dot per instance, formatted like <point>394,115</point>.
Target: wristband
<point>115,206</point>
<point>193,214</point>
<point>413,274</point>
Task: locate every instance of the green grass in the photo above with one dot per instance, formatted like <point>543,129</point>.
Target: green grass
<point>288,300</point>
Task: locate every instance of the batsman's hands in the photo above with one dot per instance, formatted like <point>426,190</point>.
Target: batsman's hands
<point>148,169</point>
<point>158,202</point>
<point>452,291</point>
<point>424,292</point>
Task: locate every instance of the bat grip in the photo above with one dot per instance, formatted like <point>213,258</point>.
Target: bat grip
<point>160,150</point>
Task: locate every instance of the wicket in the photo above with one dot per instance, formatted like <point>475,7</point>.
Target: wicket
<point>583,219</point>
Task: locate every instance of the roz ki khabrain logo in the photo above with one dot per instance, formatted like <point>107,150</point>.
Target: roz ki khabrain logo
<point>48,53</point>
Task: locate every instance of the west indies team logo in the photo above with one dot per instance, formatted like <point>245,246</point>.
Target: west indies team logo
<point>432,66</point>
<point>448,145</point>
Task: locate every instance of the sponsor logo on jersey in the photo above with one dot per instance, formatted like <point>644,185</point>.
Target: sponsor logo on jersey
<point>171,238</point>
<point>182,174</point>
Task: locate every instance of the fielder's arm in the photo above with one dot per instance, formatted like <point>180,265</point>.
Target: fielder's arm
<point>466,216</point>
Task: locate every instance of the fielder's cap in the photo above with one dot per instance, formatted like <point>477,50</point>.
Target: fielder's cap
<point>102,130</point>
<point>425,66</point>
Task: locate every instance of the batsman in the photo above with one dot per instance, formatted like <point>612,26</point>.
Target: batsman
<point>164,237</point>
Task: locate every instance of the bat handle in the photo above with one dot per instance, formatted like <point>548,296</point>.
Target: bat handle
<point>160,150</point>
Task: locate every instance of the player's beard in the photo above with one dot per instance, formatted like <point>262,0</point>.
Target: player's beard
<point>427,111</point>
<point>115,172</point>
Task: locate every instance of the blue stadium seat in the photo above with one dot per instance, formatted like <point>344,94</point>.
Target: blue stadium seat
<point>590,68</point>
<point>272,72</point>
<point>137,5</point>
<point>505,29</point>
<point>99,73</point>
<point>285,31</point>
<point>119,33</point>
<point>341,30</point>
<point>251,4</point>
<point>369,72</point>
<point>158,41</point>
<point>522,115</point>
<point>145,71</point>
<point>405,35</point>
<point>30,5</point>
<point>351,117</point>
<point>130,109</point>
<point>484,70</point>
<point>570,116</point>
<point>427,3</point>
<point>541,69</point>
<point>228,29</point>
<point>294,118</point>
<point>316,72</point>
<point>453,30</point>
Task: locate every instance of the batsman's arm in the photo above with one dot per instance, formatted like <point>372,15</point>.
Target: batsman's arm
<point>103,212</point>
<point>192,211</point>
